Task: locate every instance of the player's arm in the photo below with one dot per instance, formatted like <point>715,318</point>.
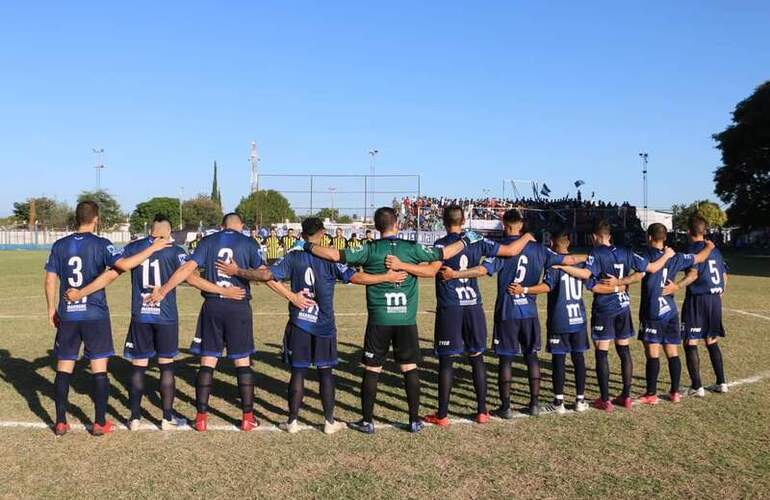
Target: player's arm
<point>326,253</point>
<point>574,259</point>
<point>654,267</point>
<point>181,274</point>
<point>204,285</point>
<point>514,248</point>
<point>447,273</point>
<point>603,289</point>
<point>102,281</point>
<point>49,286</point>
<point>703,255</point>
<point>361,278</point>
<point>422,270</point>
<point>517,289</point>
<point>262,273</point>
<point>672,287</point>
<point>128,263</point>
<point>575,272</point>
<point>299,299</point>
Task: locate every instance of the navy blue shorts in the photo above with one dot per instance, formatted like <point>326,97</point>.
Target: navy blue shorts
<point>617,327</point>
<point>567,343</point>
<point>660,332</point>
<point>702,317</point>
<point>147,340</point>
<point>459,329</point>
<point>95,335</point>
<point>224,324</point>
<point>513,337</point>
<point>303,350</point>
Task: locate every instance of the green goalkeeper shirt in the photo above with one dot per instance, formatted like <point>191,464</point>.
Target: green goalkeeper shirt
<point>391,303</point>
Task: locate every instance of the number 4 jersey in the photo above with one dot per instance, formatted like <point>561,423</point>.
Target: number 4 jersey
<point>78,259</point>
<point>152,273</point>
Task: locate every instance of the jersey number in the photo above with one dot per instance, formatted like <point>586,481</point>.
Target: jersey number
<point>225,254</point>
<point>155,266</point>
<point>573,289</point>
<point>714,272</point>
<point>521,269</point>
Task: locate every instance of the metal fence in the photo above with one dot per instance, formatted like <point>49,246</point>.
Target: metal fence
<point>25,239</point>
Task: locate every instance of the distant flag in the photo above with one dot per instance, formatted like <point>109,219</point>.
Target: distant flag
<point>534,190</point>
<point>545,190</point>
<point>579,183</point>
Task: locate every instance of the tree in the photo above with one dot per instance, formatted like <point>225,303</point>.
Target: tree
<point>714,215</point>
<point>743,180</point>
<point>49,213</point>
<point>216,194</point>
<point>333,215</point>
<point>201,210</point>
<point>146,211</point>
<point>265,207</point>
<point>110,214</point>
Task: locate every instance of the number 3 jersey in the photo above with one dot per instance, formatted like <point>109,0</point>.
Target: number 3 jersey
<point>526,269</point>
<point>317,278</point>
<point>78,259</point>
<point>462,292</point>
<point>226,245</point>
<point>566,309</point>
<point>152,273</point>
<point>655,306</point>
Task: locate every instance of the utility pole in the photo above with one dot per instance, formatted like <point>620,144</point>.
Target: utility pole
<point>372,154</point>
<point>331,192</point>
<point>99,152</point>
<point>254,161</point>
<point>181,195</point>
<point>644,157</point>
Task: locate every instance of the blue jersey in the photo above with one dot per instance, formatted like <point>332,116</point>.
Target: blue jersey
<point>566,310</point>
<point>654,305</point>
<point>317,277</point>
<point>152,273</point>
<point>525,268</point>
<point>227,245</point>
<point>465,291</point>
<point>605,261</point>
<point>78,259</point>
<point>711,273</point>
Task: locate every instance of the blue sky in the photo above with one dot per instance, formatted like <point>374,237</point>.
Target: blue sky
<point>464,93</point>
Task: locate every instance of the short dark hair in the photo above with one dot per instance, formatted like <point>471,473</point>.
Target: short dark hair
<point>602,227</point>
<point>559,232</point>
<point>697,225</point>
<point>368,231</point>
<point>513,216</point>
<point>311,226</point>
<point>353,235</point>
<point>657,232</point>
<point>453,215</point>
<point>85,212</point>
<point>161,218</point>
<point>230,215</point>
<point>384,218</point>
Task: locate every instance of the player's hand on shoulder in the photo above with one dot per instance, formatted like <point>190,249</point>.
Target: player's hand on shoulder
<point>668,252</point>
<point>393,263</point>
<point>529,237</point>
<point>230,268</point>
<point>396,276</point>
<point>233,292</point>
<point>73,295</point>
<point>670,289</point>
<point>709,244</point>
<point>515,289</point>
<point>447,273</point>
<point>471,236</point>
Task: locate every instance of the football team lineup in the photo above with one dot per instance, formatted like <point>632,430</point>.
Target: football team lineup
<point>223,264</point>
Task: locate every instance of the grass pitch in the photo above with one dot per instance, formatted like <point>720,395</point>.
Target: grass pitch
<point>714,448</point>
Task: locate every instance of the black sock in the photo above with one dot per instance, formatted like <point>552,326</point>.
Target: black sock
<point>533,374</point>
<point>246,388</point>
<point>479,382</point>
<point>651,371</point>
<point>675,372</point>
<point>559,368</point>
<point>369,394</point>
<point>167,389</point>
<point>61,385</point>
<point>445,376</point>
<point>412,383</point>
<point>693,365</point>
<point>603,374</point>
<point>504,377</point>
<point>579,362</point>
<point>626,368</point>
<point>296,392</point>
<point>100,395</point>
<point>326,388</point>
<point>203,388</point>
<point>715,353</point>
<point>137,391</point>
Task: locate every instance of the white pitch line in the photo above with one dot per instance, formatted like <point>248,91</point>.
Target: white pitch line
<point>747,313</point>
<point>147,427</point>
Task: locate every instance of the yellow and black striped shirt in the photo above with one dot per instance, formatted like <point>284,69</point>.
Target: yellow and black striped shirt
<point>287,242</point>
<point>354,243</point>
<point>326,241</point>
<point>339,242</point>
<point>273,246</point>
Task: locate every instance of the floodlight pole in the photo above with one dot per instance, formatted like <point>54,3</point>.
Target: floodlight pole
<point>99,152</point>
<point>644,157</point>
<point>181,195</point>
<point>372,154</point>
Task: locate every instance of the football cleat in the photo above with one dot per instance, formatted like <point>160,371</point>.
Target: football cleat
<point>720,388</point>
<point>534,410</point>
<point>361,426</point>
<point>201,422</point>
<point>482,418</point>
<point>581,405</point>
<point>504,413</point>
<point>333,427</point>
<point>174,423</point>
<point>700,392</point>
<point>649,399</point>
<point>248,422</point>
<point>101,430</point>
<point>290,426</point>
<point>415,427</point>
<point>134,424</point>
<point>674,397</point>
<point>556,407</point>
<point>61,428</point>
<point>434,419</point>
<point>623,401</point>
<point>600,404</point>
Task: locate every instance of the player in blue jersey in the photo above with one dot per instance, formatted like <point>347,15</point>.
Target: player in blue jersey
<point>566,325</point>
<point>222,323</point>
<point>74,260</point>
<point>154,328</point>
<point>658,316</point>
<point>310,337</point>
<point>702,310</point>
<point>610,265</point>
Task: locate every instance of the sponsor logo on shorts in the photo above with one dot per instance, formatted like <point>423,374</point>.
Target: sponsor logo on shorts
<point>652,331</point>
<point>695,330</point>
<point>196,340</point>
<point>716,290</point>
<point>444,342</point>
<point>130,345</point>
<point>554,340</point>
<point>598,328</point>
<point>368,354</point>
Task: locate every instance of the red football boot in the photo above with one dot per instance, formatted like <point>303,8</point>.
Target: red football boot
<point>201,422</point>
<point>623,401</point>
<point>482,418</point>
<point>434,419</point>
<point>249,422</point>
<point>674,397</point>
<point>61,428</point>
<point>600,404</point>
<point>649,399</point>
<point>101,430</point>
